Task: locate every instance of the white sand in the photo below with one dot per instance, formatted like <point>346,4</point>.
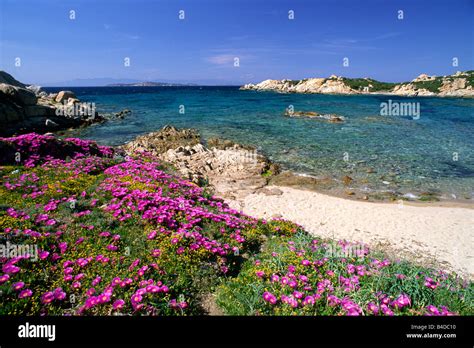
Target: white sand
<point>435,235</point>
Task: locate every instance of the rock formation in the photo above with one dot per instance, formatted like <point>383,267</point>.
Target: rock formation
<point>460,84</point>
<point>332,118</point>
<point>29,109</point>
<point>232,170</point>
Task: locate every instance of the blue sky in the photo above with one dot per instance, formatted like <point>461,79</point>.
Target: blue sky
<point>202,47</point>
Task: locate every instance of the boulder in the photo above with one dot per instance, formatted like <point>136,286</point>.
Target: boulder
<point>64,96</point>
<point>39,110</point>
<point>19,95</point>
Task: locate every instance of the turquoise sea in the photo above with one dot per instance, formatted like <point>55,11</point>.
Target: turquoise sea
<point>434,153</point>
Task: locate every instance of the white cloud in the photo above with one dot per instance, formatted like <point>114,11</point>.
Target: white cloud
<point>222,59</point>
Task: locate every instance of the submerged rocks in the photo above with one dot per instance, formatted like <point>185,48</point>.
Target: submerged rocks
<point>232,170</point>
<point>26,109</point>
<point>456,85</point>
<point>123,113</point>
<point>332,118</point>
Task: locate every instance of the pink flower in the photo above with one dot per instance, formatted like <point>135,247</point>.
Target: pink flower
<point>62,247</point>
<point>402,301</point>
<point>59,294</point>
<point>333,300</point>
<point>430,283</point>
<point>260,274</point>
<point>18,285</point>
<point>373,308</point>
<point>118,304</point>
<point>96,281</point>
<point>25,293</point>
<point>385,310</point>
<point>308,301</point>
<point>43,255</point>
<point>269,297</point>
<point>47,297</point>
<point>4,278</point>
<point>274,278</point>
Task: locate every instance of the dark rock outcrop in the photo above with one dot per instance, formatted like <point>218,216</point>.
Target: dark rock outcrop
<point>25,109</point>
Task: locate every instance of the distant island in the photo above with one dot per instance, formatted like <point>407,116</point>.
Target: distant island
<point>149,84</point>
<point>460,84</point>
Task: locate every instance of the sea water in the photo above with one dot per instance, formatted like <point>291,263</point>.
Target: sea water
<point>409,155</point>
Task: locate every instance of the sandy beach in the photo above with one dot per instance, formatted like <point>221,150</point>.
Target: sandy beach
<point>427,234</point>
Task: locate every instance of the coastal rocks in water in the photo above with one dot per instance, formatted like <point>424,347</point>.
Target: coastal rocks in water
<point>63,96</point>
<point>332,118</point>
<point>332,85</point>
<point>457,85</point>
<point>123,113</point>
<point>232,171</point>
<point>167,138</point>
<point>347,180</point>
<point>26,109</point>
<point>21,96</point>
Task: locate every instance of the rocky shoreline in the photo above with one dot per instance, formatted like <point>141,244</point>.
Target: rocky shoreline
<point>27,108</point>
<point>232,170</point>
<point>460,84</point>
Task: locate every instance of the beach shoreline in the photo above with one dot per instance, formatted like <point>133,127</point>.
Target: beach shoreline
<point>437,235</point>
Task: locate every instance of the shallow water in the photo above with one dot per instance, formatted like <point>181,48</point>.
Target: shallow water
<point>410,155</point>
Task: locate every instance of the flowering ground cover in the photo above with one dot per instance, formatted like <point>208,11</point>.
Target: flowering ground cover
<point>300,275</point>
<point>123,235</point>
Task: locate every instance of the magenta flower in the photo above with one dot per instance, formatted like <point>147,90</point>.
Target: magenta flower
<point>96,281</point>
<point>274,278</point>
<point>62,247</point>
<point>260,274</point>
<point>308,301</point>
<point>402,301</point>
<point>269,297</point>
<point>137,298</point>
<point>43,255</point>
<point>112,247</point>
<point>25,293</point>
<point>430,283</point>
<point>47,297</point>
<point>333,300</point>
<point>59,294</point>
<point>373,308</point>
<point>385,310</point>
<point>18,285</point>
<point>4,278</point>
<point>118,304</point>
<point>151,235</point>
